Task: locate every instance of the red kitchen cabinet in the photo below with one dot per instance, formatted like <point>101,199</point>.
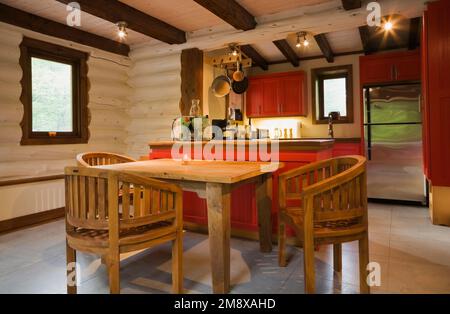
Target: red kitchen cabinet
<point>347,148</point>
<point>276,95</point>
<point>292,97</point>
<point>436,113</point>
<point>254,98</point>
<point>390,67</point>
<point>271,94</point>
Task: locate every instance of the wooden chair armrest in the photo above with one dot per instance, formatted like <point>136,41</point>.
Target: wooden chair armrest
<point>331,183</point>
<point>304,169</point>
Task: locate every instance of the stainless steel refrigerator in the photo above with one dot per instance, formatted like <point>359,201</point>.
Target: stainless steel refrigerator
<point>393,138</point>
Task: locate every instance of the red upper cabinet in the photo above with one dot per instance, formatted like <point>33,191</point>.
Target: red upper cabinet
<point>254,98</point>
<point>277,95</point>
<point>271,95</point>
<point>292,97</point>
<point>390,67</point>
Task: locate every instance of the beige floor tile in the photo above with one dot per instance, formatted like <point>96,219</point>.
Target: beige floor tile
<point>410,277</point>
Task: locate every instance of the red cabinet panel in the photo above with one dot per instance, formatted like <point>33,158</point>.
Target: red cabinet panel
<point>437,92</point>
<point>407,67</point>
<point>390,67</point>
<point>274,95</point>
<point>254,98</point>
<point>345,149</point>
<point>292,97</point>
<point>270,97</point>
<point>376,70</point>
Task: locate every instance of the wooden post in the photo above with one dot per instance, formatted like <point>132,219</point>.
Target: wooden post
<point>308,246</point>
<point>264,206</point>
<point>218,198</point>
<point>191,78</point>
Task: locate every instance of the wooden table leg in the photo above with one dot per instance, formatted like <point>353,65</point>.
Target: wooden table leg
<point>264,206</point>
<point>218,198</point>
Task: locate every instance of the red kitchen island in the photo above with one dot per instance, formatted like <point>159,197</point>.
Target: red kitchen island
<point>244,219</point>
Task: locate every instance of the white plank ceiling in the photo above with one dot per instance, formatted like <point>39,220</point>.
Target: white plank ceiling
<point>190,16</point>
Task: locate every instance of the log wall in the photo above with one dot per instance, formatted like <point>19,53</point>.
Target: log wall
<point>154,103</point>
<point>108,104</point>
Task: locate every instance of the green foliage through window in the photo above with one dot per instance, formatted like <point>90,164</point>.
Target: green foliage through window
<point>51,96</point>
<point>335,96</point>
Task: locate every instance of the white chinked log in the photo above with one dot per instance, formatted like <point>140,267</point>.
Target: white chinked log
<point>10,133</point>
<point>103,100</point>
<point>10,92</point>
<point>110,89</point>
<point>11,113</point>
<point>160,79</point>
<point>32,168</point>
<point>10,72</point>
<point>9,37</point>
<point>108,118</point>
<point>155,65</point>
<point>165,108</point>
<point>152,94</point>
<point>10,54</point>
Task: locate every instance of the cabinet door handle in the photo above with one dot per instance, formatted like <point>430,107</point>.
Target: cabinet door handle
<point>396,72</point>
<point>393,72</point>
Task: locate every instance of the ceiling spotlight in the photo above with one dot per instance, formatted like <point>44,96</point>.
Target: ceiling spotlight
<point>388,26</point>
<point>122,29</point>
<point>301,41</point>
<point>234,49</point>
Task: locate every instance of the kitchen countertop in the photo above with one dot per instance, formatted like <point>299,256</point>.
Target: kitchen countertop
<point>288,144</point>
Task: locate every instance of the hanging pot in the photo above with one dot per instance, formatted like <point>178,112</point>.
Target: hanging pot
<point>221,85</point>
<point>240,87</point>
<point>239,74</point>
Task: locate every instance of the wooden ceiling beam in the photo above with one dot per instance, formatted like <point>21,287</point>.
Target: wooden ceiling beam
<point>287,51</point>
<point>351,4</point>
<point>259,60</point>
<point>364,33</point>
<point>38,24</point>
<point>414,31</point>
<point>231,12</point>
<point>115,11</point>
<point>325,47</point>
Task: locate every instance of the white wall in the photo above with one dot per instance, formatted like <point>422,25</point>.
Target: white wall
<point>308,129</point>
<point>156,84</point>
<point>108,104</point>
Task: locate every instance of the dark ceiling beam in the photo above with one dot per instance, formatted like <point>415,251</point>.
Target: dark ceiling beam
<point>38,24</point>
<point>115,11</point>
<point>364,34</point>
<point>325,47</point>
<point>351,4</point>
<point>414,31</point>
<point>231,12</point>
<point>287,51</point>
<point>259,60</point>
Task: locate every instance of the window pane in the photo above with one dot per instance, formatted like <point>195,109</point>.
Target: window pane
<point>335,96</point>
<point>51,96</point>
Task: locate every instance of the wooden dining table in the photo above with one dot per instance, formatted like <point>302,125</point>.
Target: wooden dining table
<point>214,181</point>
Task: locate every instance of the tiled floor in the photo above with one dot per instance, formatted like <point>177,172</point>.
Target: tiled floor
<point>413,254</point>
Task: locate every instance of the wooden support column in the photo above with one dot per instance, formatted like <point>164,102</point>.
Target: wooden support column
<point>191,78</point>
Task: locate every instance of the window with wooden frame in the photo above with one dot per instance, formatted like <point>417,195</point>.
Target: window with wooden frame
<point>54,94</point>
<point>332,90</point>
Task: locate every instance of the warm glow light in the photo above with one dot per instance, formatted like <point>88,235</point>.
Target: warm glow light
<point>122,34</point>
<point>306,42</point>
<point>298,45</point>
<point>388,26</point>
<point>122,30</point>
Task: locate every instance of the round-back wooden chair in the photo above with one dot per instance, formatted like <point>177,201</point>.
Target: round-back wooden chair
<point>325,203</point>
<point>150,216</point>
<point>90,159</point>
